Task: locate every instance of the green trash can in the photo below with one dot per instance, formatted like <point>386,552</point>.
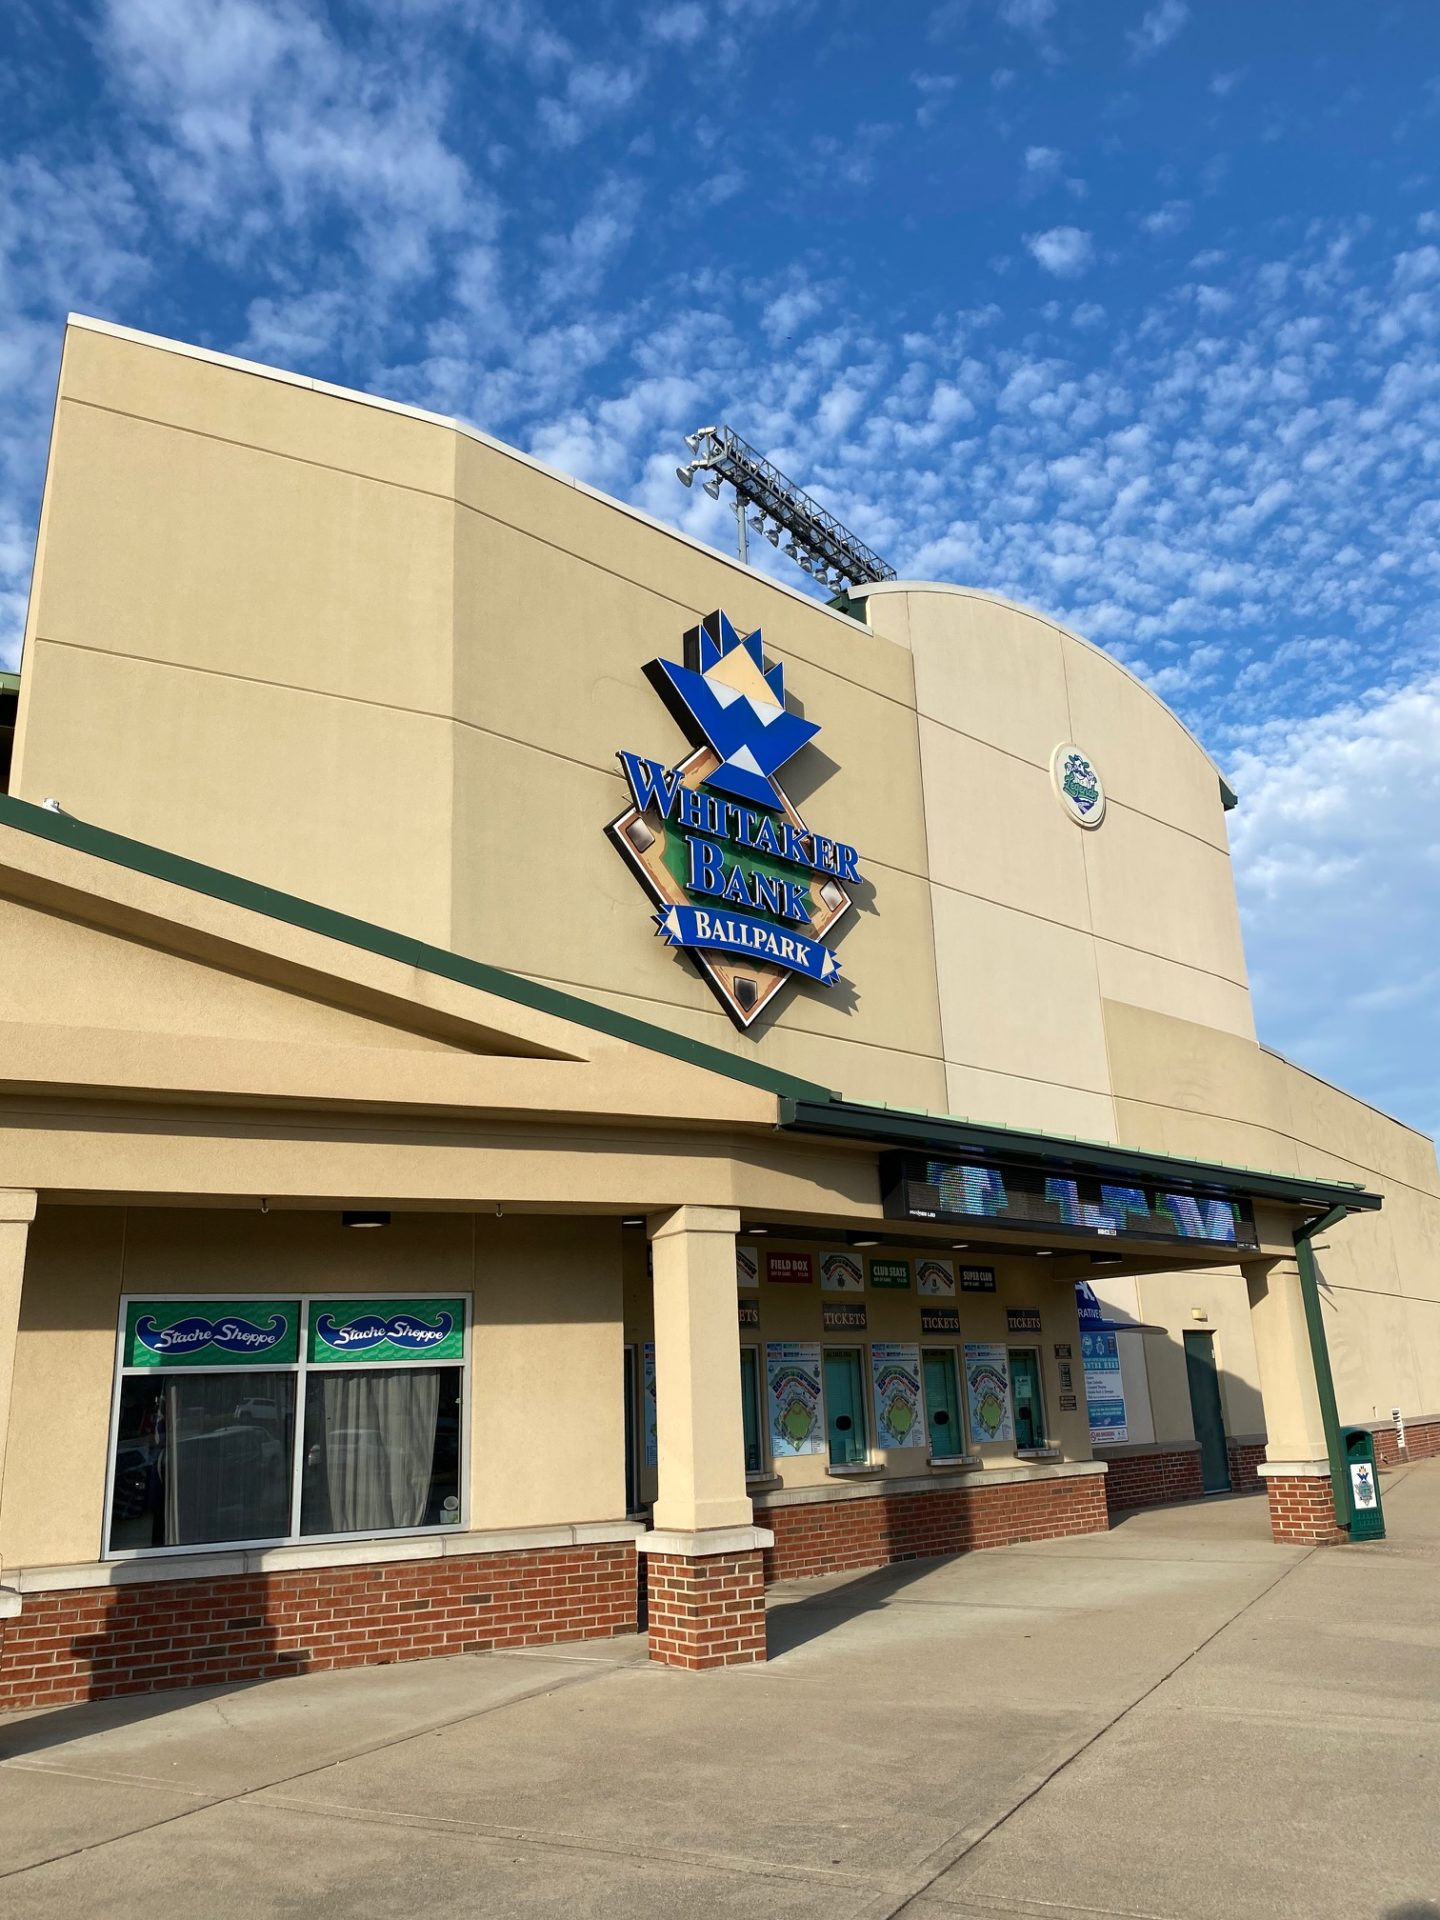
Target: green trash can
<point>1362,1485</point>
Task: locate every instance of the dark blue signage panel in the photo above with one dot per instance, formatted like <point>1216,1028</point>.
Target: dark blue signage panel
<point>1116,1208</point>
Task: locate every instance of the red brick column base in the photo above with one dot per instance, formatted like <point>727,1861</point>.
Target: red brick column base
<point>1302,1511</point>
<point>90,1643</point>
<point>708,1611</point>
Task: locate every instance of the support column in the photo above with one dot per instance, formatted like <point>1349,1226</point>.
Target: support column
<point>1296,1469</point>
<point>17,1210</point>
<point>705,1584</point>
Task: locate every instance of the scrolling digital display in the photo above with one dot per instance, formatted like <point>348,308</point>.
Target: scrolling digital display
<point>1115,1208</point>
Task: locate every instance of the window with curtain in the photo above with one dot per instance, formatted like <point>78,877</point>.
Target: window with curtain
<point>258,1421</point>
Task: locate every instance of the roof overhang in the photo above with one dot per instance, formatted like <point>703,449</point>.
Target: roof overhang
<point>1008,1146</point>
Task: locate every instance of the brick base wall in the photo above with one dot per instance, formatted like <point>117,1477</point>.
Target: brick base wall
<point>1302,1512</point>
<point>706,1612</point>
<point>1152,1479</point>
<point>95,1642</point>
<point>1245,1464</point>
<point>1422,1442</point>
<point>837,1536</point>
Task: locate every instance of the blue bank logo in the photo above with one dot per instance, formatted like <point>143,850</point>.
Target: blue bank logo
<point>741,884</point>
<point>740,713</point>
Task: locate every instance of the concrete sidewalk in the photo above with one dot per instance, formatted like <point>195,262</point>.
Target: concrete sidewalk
<point>1178,1718</point>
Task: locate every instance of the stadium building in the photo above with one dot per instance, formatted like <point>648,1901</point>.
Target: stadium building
<point>542,1067</point>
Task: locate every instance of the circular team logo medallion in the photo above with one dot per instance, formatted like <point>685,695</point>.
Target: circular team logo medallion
<point>1078,785</point>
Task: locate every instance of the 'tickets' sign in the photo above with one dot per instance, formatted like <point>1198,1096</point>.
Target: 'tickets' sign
<point>739,880</point>
<point>835,1318</point>
<point>940,1320</point>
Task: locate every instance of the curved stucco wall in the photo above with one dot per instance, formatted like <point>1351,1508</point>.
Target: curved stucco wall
<point>1039,921</point>
<point>373,659</point>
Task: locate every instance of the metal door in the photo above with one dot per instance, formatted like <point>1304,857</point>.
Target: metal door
<point>1205,1409</point>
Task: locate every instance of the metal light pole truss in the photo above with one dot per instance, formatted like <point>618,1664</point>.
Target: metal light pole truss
<point>816,541</point>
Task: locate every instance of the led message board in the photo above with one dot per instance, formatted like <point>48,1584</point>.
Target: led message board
<point>1110,1207</point>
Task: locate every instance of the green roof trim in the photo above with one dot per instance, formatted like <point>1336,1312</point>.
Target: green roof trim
<point>9,682</point>
<point>1229,799</point>
<point>934,1134</point>
<point>174,868</point>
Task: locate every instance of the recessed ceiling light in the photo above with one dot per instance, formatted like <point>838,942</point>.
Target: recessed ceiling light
<point>863,1239</point>
<point>633,1220</point>
<point>1043,1253</point>
<point>755,1229</point>
<point>958,1246</point>
<point>357,1219</point>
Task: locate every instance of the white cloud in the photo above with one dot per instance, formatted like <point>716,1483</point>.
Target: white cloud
<point>1337,854</point>
<point>677,26</point>
<point>1027,16</point>
<point>1171,218</point>
<point>1066,252</point>
<point>593,92</point>
<point>579,260</point>
<point>1158,28</point>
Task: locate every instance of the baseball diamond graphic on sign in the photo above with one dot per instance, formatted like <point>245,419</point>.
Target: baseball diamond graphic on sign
<point>739,880</point>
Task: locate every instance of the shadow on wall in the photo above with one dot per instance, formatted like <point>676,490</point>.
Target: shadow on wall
<point>96,1644</point>
<point>1241,1403</point>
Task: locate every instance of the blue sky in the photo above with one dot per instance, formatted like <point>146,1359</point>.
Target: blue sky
<point>1129,310</point>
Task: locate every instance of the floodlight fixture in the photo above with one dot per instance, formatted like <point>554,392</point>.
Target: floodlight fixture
<point>686,475</point>
<point>818,543</point>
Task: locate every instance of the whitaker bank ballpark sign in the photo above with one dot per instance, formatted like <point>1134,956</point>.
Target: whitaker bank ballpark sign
<point>739,881</point>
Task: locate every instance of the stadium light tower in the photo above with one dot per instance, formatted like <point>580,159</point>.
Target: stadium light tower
<point>818,544</point>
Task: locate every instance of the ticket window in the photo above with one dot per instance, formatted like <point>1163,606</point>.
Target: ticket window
<point>750,1410</point>
<point>942,1403</point>
<point>845,1422</point>
<point>1027,1398</point>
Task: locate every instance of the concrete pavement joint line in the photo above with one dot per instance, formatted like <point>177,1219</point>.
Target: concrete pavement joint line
<point>305,1773</point>
<point>1043,1910</point>
<point>107,1779</point>
<point>749,1864</point>
<point>950,1853</point>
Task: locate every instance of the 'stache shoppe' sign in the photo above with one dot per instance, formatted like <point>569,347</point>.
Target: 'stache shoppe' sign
<point>740,882</point>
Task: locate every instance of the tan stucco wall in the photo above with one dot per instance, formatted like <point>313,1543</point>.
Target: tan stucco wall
<point>1185,1089</point>
<point>383,664</point>
<point>547,1308</point>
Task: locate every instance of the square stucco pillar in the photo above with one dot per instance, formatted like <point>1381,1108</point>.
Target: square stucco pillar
<point>17,1210</point>
<point>705,1584</point>
<point>1296,1468</point>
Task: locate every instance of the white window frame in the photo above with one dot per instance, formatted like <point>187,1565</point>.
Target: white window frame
<point>962,1436</point>
<point>868,1463</point>
<point>299,1372</point>
<point>1045,1445</point>
<point>766,1468</point>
